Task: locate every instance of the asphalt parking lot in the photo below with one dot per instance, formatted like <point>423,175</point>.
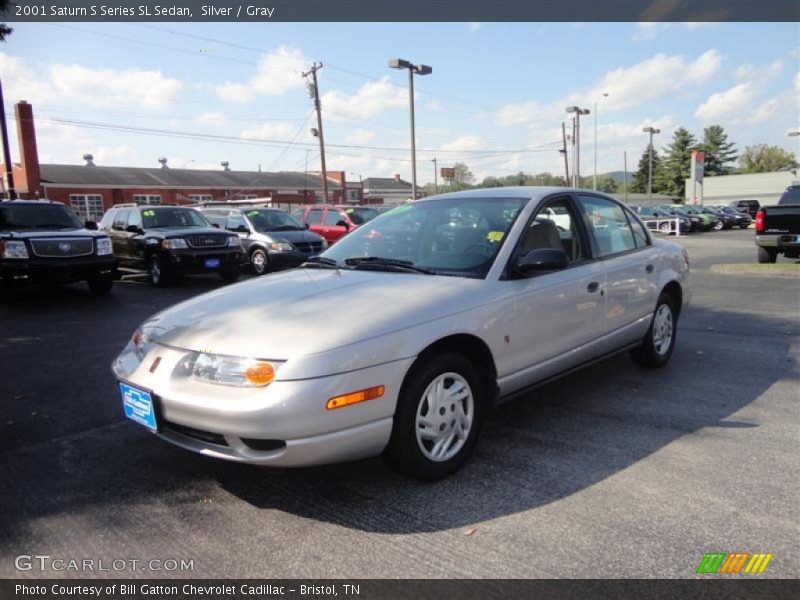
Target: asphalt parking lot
<point>617,472</point>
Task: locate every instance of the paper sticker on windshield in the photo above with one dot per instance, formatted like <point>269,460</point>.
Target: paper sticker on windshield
<point>149,213</point>
<point>252,213</point>
<point>495,236</point>
<point>349,210</point>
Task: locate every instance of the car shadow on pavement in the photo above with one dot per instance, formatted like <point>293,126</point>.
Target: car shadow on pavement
<point>556,441</point>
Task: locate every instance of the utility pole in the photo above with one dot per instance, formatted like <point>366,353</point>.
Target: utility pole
<point>564,152</point>
<point>435,176</point>
<point>651,131</point>
<point>12,194</point>
<point>625,180</point>
<point>314,89</point>
<point>576,113</point>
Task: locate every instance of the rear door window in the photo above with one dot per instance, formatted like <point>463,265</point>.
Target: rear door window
<point>333,216</point>
<point>609,225</point>
<point>314,216</point>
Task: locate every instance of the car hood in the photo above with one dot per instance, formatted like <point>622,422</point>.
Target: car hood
<point>306,311</point>
<point>52,233</point>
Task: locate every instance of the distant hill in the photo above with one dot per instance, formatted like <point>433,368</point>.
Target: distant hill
<point>618,176</point>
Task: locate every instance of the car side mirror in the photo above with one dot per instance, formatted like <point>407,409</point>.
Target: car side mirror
<point>92,225</point>
<point>215,225</point>
<point>342,223</point>
<point>541,259</point>
<point>241,229</point>
<point>133,229</point>
<point>307,225</point>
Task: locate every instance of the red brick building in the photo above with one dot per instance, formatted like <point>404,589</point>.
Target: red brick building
<point>91,189</point>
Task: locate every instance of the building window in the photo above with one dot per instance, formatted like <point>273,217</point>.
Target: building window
<point>147,199</point>
<point>88,207</point>
<point>201,198</point>
<point>245,196</point>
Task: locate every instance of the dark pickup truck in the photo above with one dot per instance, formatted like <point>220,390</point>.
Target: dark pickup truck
<point>778,227</point>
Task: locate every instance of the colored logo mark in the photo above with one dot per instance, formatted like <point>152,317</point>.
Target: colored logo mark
<point>735,562</point>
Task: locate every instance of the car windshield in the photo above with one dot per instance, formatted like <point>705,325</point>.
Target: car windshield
<point>360,215</point>
<point>457,236</point>
<point>172,217</point>
<point>272,220</point>
<point>37,216</point>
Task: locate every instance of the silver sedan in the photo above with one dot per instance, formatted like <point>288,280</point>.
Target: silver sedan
<point>397,339</point>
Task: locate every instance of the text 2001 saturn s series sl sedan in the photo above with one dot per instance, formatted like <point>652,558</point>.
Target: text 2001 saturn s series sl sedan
<point>399,337</point>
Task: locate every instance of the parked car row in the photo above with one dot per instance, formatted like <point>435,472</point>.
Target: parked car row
<point>682,218</point>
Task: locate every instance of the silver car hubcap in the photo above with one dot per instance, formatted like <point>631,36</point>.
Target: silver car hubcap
<point>444,417</point>
<point>662,330</point>
<point>258,262</point>
<point>155,271</point>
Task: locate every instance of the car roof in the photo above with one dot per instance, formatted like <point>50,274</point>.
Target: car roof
<point>43,202</point>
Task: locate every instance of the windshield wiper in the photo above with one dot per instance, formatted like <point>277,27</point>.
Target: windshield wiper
<point>320,262</point>
<point>379,263</point>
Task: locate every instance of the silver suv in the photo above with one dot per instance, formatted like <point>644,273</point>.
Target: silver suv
<point>271,238</point>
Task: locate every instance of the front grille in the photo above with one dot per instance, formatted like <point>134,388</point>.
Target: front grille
<point>210,240</point>
<point>198,434</point>
<point>62,247</point>
<point>308,247</point>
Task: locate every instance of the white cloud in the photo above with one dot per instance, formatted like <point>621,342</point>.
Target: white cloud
<point>433,105</point>
<point>113,155</point>
<point>270,131</point>
<point>371,98</point>
<point>361,137</point>
<point>20,82</point>
<point>276,73</point>
<point>474,26</point>
<point>797,83</point>
<point>465,142</point>
<point>744,72</point>
<point>211,118</point>
<point>110,87</point>
<point>647,30</point>
<point>762,112</point>
<point>698,24</point>
<point>728,103</point>
<point>517,114</point>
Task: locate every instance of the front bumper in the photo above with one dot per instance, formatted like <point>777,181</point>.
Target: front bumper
<point>193,261</point>
<point>288,418</point>
<point>287,260</point>
<point>57,270</point>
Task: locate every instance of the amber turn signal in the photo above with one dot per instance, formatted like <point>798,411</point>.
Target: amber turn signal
<point>260,373</point>
<point>355,397</point>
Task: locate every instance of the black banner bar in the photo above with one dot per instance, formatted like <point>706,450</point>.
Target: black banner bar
<point>706,587</point>
<point>403,10</point>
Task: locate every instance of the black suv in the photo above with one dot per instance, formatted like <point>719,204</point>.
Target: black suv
<point>45,242</point>
<point>271,238</point>
<point>170,241</point>
<point>746,206</point>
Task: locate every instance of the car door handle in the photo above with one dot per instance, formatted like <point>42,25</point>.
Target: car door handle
<point>593,287</point>
<point>649,268</point>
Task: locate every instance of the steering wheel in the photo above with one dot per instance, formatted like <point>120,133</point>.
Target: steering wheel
<point>486,249</point>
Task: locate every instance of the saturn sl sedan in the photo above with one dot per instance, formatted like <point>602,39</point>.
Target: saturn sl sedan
<point>400,337</point>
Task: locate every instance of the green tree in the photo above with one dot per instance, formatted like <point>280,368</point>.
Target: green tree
<point>491,182</point>
<point>605,183</point>
<point>5,30</point>
<point>464,177</point>
<point>719,152</point>
<point>676,165</point>
<point>762,158</point>
<point>640,177</point>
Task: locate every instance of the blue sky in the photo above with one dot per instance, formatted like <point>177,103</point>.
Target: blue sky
<point>495,99</point>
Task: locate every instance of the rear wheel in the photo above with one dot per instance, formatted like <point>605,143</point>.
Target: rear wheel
<point>659,341</point>
<point>158,271</point>
<point>438,418</point>
<point>719,226</point>
<point>259,261</point>
<point>665,228</point>
<point>767,255</point>
<point>100,286</point>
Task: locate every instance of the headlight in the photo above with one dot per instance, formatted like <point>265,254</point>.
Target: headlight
<point>234,241</point>
<point>103,246</point>
<point>231,370</point>
<point>174,244</point>
<point>281,247</point>
<point>13,249</point>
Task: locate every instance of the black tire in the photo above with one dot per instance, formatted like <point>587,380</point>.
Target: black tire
<point>719,226</point>
<point>767,255</point>
<point>743,226</point>
<point>404,452</point>
<point>158,271</point>
<point>259,261</point>
<point>665,228</point>
<point>229,275</point>
<point>651,353</point>
<point>100,286</point>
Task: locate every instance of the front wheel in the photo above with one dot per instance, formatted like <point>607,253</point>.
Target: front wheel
<point>158,271</point>
<point>659,341</point>
<point>719,226</point>
<point>259,261</point>
<point>438,418</point>
<point>767,255</point>
<point>665,228</point>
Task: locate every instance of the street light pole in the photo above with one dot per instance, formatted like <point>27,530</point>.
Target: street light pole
<point>651,131</point>
<point>577,114</point>
<point>399,63</point>
<point>605,95</point>
<point>435,176</point>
